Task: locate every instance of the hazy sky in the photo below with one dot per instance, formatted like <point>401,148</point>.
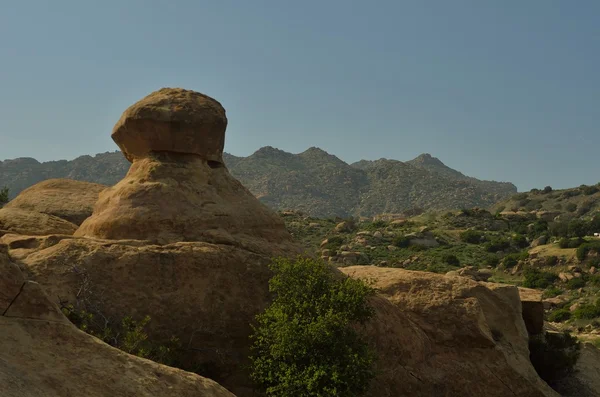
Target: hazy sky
<point>506,90</point>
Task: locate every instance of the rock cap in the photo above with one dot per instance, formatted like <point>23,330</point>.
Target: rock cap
<point>172,120</point>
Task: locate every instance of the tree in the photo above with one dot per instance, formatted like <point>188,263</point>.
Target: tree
<point>304,343</point>
<point>547,189</point>
<point>3,196</point>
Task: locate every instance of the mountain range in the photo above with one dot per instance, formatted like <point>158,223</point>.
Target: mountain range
<point>314,181</point>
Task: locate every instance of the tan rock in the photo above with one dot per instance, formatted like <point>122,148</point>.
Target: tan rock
<point>563,276</point>
<point>14,220</point>
<point>554,302</point>
<point>43,354</point>
<point>533,310</point>
<point>67,199</point>
<point>343,227</point>
<point>173,120</point>
<point>448,332</point>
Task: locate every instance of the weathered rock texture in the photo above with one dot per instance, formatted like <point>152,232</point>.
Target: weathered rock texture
<point>533,310</point>
<point>43,354</point>
<point>448,336</point>
<point>173,120</point>
<point>177,188</point>
<point>30,223</point>
<point>67,199</point>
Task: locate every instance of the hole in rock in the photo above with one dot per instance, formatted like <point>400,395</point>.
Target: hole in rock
<point>214,164</point>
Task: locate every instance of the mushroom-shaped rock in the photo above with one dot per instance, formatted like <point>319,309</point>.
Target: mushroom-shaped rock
<point>177,188</point>
<point>173,120</point>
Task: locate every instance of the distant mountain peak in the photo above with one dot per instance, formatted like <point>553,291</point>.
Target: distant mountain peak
<point>428,159</point>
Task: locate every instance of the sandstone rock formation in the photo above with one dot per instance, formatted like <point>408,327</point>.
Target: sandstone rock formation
<point>180,240</point>
<point>14,220</point>
<point>43,354</point>
<point>67,199</point>
<point>451,337</point>
<point>178,188</point>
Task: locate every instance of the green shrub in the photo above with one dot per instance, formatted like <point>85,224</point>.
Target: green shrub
<point>589,190</point>
<point>471,236</point>
<point>334,242</point>
<point>551,292</point>
<point>564,242</point>
<point>576,283</point>
<point>304,343</point>
<point>535,278</point>
<point>3,196</point>
<point>491,260</point>
<point>128,335</point>
<point>587,311</point>
<point>554,355</point>
<point>497,244</point>
<point>551,260</point>
<point>547,190</point>
<point>559,315</point>
<point>584,249</point>
<point>571,207</point>
<point>450,259</point>
<point>520,241</point>
<point>401,241</point>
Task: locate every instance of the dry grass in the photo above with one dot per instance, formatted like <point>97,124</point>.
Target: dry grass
<point>553,250</point>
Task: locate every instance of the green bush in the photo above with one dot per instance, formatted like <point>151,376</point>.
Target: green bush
<point>571,207</point>
<point>587,311</point>
<point>471,236</point>
<point>583,250</point>
<point>3,196</point>
<point>589,190</point>
<point>304,343</point>
<point>535,278</point>
<point>497,244</point>
<point>576,283</point>
<point>128,335</point>
<point>401,241</point>
<point>450,259</point>
<point>520,241</point>
<point>551,260</point>
<point>554,355</point>
<point>559,315</point>
<point>334,243</point>
<point>547,190</point>
<point>491,260</point>
<point>551,292</point>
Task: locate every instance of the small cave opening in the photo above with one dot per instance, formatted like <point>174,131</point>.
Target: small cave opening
<point>214,164</point>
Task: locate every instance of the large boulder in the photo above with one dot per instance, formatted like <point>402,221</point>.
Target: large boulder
<point>173,120</point>
<point>15,220</point>
<point>533,310</point>
<point>67,199</point>
<point>448,336</point>
<point>43,354</point>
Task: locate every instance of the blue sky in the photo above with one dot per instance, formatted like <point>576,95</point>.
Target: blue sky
<point>506,90</point>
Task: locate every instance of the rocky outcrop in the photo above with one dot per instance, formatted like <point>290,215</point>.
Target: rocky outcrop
<point>66,199</point>
<point>448,336</point>
<point>177,189</point>
<point>43,354</point>
<point>14,220</point>
<point>533,310</point>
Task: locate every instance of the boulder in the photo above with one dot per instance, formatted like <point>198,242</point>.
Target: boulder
<point>343,227</point>
<point>15,220</point>
<point>441,336</point>
<point>539,241</point>
<point>173,120</point>
<point>533,310</point>
<point>43,354</point>
<point>66,199</point>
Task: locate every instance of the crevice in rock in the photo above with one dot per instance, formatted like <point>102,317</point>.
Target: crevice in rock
<point>501,381</point>
<point>14,300</point>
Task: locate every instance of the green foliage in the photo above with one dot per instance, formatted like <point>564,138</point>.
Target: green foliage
<point>570,242</point>
<point>554,355</point>
<point>491,260</point>
<point>334,242</point>
<point>304,343</point>
<point>576,283</point>
<point>559,315</point>
<point>401,241</point>
<point>583,250</point>
<point>497,244</point>
<point>520,241</point>
<point>578,228</point>
<point>128,335</point>
<point>3,196</point>
<point>471,236</point>
<point>587,311</point>
<point>571,207</point>
<point>519,196</point>
<point>547,190</point>
<point>589,190</point>
<point>451,260</point>
<point>535,278</point>
<point>551,260</point>
<point>551,292</point>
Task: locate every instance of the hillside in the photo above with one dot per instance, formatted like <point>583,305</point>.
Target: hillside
<point>568,203</point>
<point>313,181</point>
